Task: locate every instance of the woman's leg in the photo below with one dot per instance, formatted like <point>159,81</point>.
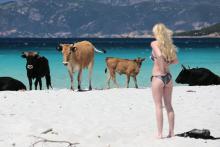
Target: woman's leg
<point>168,104</point>
<point>157,92</point>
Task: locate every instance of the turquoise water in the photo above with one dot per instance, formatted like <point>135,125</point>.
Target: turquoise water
<point>11,63</point>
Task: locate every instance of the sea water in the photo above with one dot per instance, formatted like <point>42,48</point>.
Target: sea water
<point>203,52</point>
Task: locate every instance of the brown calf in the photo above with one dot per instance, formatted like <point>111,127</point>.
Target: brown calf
<point>77,57</point>
<point>123,66</point>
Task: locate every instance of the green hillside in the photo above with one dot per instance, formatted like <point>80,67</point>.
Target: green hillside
<point>214,29</point>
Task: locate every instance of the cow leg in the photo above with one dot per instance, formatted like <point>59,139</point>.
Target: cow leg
<point>40,83</point>
<point>90,67</point>
<point>108,81</point>
<point>71,79</point>
<point>128,80</point>
<point>36,83</point>
<point>79,79</point>
<point>114,80</point>
<point>135,81</point>
<point>30,83</point>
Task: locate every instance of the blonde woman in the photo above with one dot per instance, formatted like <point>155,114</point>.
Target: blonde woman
<point>163,55</point>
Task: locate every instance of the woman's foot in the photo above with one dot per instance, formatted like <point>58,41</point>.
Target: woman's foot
<point>170,135</point>
<point>159,136</point>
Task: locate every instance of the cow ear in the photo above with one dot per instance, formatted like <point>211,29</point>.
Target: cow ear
<point>59,47</point>
<point>143,59</point>
<point>73,48</point>
<point>36,54</point>
<point>23,55</point>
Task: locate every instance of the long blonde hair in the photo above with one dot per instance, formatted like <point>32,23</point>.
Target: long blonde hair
<point>165,42</point>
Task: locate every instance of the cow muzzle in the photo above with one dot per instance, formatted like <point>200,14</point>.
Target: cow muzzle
<point>30,66</point>
<point>65,63</point>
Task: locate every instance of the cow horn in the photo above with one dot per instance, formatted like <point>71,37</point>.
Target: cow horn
<point>183,66</point>
<point>35,53</point>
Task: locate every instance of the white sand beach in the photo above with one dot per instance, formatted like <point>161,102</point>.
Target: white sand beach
<point>105,118</point>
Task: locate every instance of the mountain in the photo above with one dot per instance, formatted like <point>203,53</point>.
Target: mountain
<point>103,18</point>
<point>120,2</point>
<point>3,1</point>
<point>211,31</point>
<point>131,2</point>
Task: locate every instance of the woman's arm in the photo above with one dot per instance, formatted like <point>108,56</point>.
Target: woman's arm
<point>158,55</point>
<point>155,49</point>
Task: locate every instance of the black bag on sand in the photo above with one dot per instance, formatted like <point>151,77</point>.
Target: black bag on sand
<point>198,134</point>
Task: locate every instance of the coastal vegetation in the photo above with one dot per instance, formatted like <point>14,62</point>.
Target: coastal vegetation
<point>211,31</point>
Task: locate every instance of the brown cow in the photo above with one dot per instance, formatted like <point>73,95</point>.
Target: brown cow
<point>123,66</point>
<point>78,56</point>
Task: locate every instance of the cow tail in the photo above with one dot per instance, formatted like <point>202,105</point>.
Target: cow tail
<point>105,70</point>
<point>48,81</point>
<point>47,75</point>
<point>98,51</point>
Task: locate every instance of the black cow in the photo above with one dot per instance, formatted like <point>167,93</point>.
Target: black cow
<point>37,67</point>
<point>198,134</point>
<point>197,76</point>
<point>8,83</point>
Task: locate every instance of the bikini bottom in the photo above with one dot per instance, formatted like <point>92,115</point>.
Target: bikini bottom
<point>165,78</point>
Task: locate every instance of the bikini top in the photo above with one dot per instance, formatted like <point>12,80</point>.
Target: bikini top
<point>152,57</point>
